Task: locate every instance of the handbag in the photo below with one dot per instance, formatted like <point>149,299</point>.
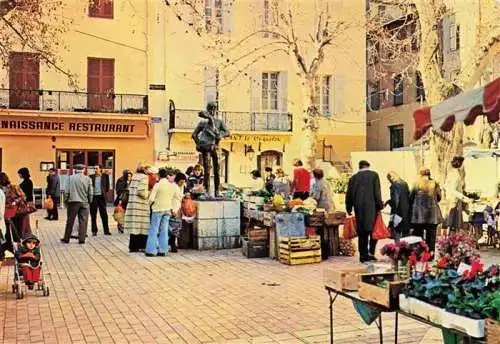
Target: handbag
<point>350,230</point>
<point>48,203</point>
<point>380,230</point>
<point>174,226</point>
<point>25,208</point>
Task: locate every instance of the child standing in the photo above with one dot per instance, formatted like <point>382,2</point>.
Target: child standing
<point>28,257</point>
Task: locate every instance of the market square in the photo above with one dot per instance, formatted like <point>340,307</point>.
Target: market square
<point>258,171</point>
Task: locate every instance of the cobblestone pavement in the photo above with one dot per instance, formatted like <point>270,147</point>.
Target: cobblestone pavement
<point>99,293</point>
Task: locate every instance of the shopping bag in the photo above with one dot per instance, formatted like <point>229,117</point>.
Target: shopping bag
<point>119,215</point>
<point>48,204</point>
<point>350,228</point>
<point>188,207</point>
<point>380,230</point>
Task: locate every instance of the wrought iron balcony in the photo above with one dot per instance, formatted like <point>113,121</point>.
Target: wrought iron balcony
<point>237,121</point>
<point>64,101</point>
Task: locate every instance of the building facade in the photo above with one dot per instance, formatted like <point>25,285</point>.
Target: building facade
<point>467,29</point>
<point>142,77</point>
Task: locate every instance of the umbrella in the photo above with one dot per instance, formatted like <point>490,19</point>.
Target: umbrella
<point>464,108</point>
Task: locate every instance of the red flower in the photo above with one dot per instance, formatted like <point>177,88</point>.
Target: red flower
<point>413,259</point>
<point>494,270</point>
<point>443,262</point>
<point>426,256</point>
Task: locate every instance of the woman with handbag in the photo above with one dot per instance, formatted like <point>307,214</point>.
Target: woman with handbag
<point>26,205</point>
<point>10,207</point>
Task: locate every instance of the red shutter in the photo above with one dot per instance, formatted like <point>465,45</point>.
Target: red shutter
<point>100,84</point>
<point>107,8</point>
<point>24,80</point>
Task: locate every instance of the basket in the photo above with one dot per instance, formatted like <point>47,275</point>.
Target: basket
<point>492,331</point>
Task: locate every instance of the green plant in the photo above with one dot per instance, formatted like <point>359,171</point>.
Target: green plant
<point>339,184</point>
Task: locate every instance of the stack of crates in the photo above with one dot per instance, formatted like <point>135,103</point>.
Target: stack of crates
<point>300,250</point>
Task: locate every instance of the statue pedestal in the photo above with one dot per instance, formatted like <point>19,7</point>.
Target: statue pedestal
<point>217,225</point>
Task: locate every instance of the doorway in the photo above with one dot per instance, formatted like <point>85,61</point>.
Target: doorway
<point>67,159</point>
<point>270,158</point>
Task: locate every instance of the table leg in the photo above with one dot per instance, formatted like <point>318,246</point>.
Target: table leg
<point>380,329</point>
<point>332,301</point>
<point>396,325</point>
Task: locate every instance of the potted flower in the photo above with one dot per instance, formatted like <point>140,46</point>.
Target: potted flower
<point>399,253</point>
<point>456,248</point>
<point>338,187</point>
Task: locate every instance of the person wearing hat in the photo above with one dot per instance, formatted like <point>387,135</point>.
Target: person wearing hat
<point>28,257</point>
<point>425,212</point>
<point>78,195</point>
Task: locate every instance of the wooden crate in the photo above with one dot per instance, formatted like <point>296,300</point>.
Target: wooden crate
<point>268,219</point>
<point>335,218</point>
<point>257,234</point>
<point>387,297</point>
<point>492,331</point>
<point>316,219</point>
<point>300,250</point>
<point>344,278</point>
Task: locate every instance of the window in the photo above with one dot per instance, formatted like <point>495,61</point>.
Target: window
<point>419,87</point>
<point>211,80</point>
<point>397,136</point>
<point>373,103</point>
<point>100,84</point>
<point>454,35</point>
<point>270,91</point>
<point>398,90</point>
<point>24,80</point>
<point>269,18</point>
<point>326,89</point>
<point>101,8</point>
<point>217,14</point>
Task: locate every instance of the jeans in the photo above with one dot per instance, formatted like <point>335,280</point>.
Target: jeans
<point>159,223</point>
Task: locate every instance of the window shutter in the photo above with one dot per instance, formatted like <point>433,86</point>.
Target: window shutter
<point>255,91</point>
<point>15,71</point>
<point>94,8</point>
<point>283,92</point>
<point>227,16</point>
<point>339,94</point>
<point>446,34</point>
<point>331,101</point>
<point>107,8</point>
<point>32,72</point>
<point>93,82</point>
<point>453,37</point>
<point>210,85</point>
<point>108,76</point>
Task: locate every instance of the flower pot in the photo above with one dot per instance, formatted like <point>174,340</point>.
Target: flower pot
<point>404,303</point>
<point>425,310</point>
<point>474,328</point>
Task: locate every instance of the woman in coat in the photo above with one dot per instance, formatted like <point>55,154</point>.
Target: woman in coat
<point>400,206</point>
<point>425,212</point>
<point>22,222</point>
<point>137,215</point>
<point>12,195</point>
<point>121,188</point>
<point>321,192</point>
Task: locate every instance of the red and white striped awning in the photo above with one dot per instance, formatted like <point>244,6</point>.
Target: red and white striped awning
<point>462,108</point>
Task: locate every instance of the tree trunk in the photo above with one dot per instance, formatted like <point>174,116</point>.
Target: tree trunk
<point>309,121</point>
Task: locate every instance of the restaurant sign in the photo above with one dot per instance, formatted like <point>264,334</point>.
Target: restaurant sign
<point>73,126</point>
<point>245,138</point>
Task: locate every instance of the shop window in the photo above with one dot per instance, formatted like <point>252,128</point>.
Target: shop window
<point>101,8</point>
<point>93,158</point>
<point>24,80</point>
<point>269,159</point>
<point>396,136</point>
<point>77,158</point>
<point>108,160</point>
<point>100,84</point>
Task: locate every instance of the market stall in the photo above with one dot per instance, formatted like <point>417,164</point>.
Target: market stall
<point>454,292</point>
<point>297,231</point>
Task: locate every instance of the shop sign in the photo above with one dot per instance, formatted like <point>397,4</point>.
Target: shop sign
<point>61,126</point>
<point>190,157</point>
<point>249,139</point>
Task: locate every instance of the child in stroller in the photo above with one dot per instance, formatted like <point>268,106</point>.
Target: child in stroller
<point>28,258</point>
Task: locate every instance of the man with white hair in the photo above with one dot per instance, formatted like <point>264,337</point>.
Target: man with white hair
<point>79,194</point>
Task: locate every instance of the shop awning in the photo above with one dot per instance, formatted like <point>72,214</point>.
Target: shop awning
<point>462,108</point>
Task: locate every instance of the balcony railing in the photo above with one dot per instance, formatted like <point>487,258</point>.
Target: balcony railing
<point>65,101</point>
<point>237,121</point>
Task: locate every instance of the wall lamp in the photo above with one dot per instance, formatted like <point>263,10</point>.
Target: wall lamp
<point>249,151</point>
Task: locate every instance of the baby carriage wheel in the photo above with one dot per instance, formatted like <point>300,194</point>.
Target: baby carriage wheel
<point>46,291</point>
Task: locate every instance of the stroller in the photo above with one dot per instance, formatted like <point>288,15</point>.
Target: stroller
<point>19,286</point>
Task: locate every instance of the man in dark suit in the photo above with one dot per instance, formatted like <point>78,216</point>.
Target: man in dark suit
<point>100,182</point>
<point>363,194</point>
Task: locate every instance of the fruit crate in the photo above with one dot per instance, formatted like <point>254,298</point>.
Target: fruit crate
<point>316,219</point>
<point>300,250</point>
<point>344,278</point>
<point>492,331</point>
<point>335,218</point>
<point>257,234</point>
